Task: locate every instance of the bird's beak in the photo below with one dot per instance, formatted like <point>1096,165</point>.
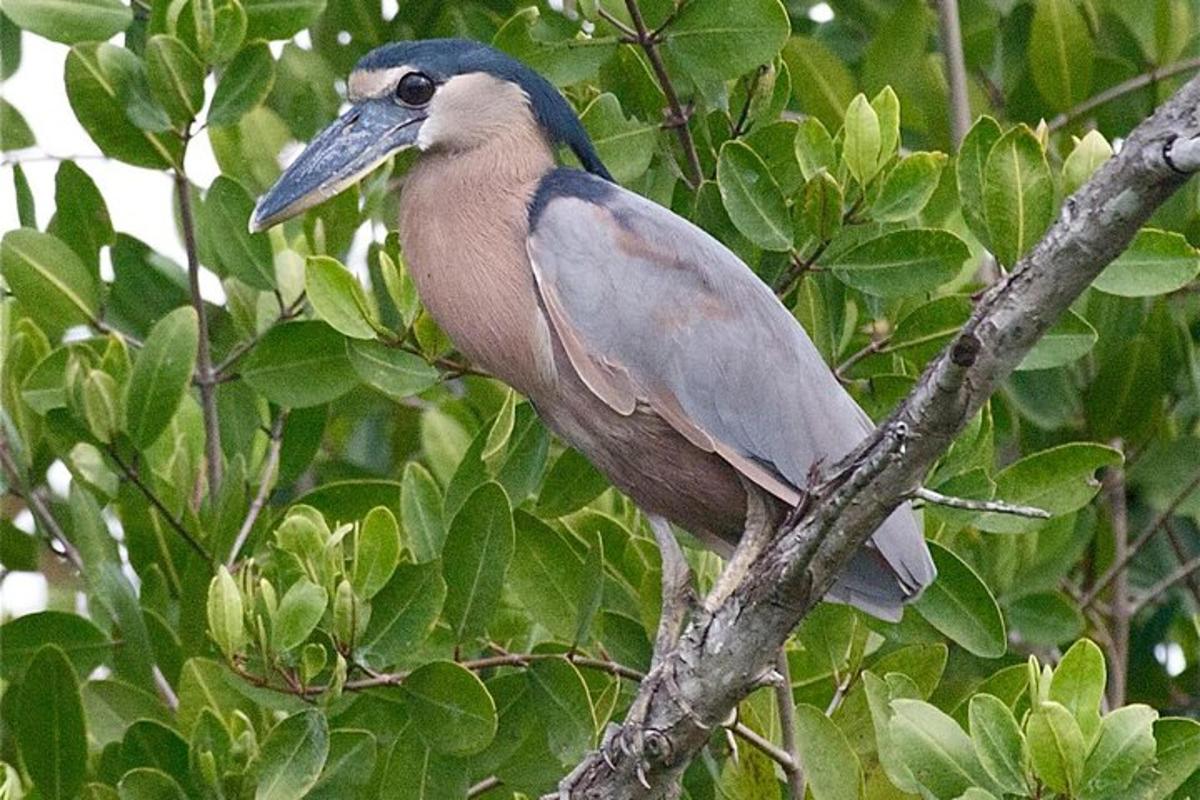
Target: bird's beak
<point>359,141</point>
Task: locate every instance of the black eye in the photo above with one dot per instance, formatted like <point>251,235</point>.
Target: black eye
<point>415,89</point>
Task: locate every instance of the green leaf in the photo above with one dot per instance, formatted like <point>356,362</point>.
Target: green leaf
<point>176,78</point>
<point>752,198</point>
<point>49,725</point>
<point>716,40</point>
<point>500,431</point>
<point>161,376</point>
<point>819,214</point>
<point>280,19</point>
<point>565,707</point>
<point>908,187</point>
<point>1078,684</point>
<point>244,84</point>
<point>300,610</point>
<point>1177,755</point>
<point>15,133</point>
<point>1157,262</point>
<point>1070,339</point>
<point>300,364</point>
<point>831,767</point>
<point>147,783</point>
<point>1056,747</point>
<point>244,255</point>
<point>70,21</point>
<point>403,613</point>
<point>551,44</point>
<point>591,591</point>
<point>1045,619</point>
<point>292,756</point>
<point>863,140</point>
<point>376,553</point>
<point>103,81</point>
<point>545,575</point>
<point>421,511</point>
<point>395,372</point>
<point>972,175</point>
<point>226,624</point>
<point>571,484</point>
<point>822,84</point>
<point>338,298</point>
<point>52,284</point>
<point>624,145</point>
<point>1124,746</point>
<point>1060,54</point>
<point>1059,480</point>
<point>814,148</point>
<point>999,743</point>
<point>81,218</point>
<point>902,262</point>
<point>475,558</point>
<point>936,750</point>
<point>1090,153</point>
<point>1018,195</point>
<point>82,642</point>
<point>457,714</point>
<point>351,762</point>
<point>960,605</point>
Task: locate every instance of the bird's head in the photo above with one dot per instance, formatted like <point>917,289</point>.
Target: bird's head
<point>437,94</point>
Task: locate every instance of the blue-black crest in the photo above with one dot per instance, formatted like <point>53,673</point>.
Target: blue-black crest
<point>442,59</point>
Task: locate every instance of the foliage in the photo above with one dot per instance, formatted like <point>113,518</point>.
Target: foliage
<point>324,557</point>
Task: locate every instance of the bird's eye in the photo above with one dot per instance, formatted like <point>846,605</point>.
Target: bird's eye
<point>415,89</point>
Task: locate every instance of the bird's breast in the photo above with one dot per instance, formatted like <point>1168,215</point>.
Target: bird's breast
<point>464,242</point>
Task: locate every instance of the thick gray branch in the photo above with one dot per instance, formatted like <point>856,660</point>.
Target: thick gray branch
<point>726,652</point>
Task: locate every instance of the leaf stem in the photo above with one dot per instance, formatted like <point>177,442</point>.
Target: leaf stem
<point>204,365</point>
<point>678,117</point>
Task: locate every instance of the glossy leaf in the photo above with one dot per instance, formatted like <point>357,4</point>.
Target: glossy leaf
<point>960,605</point>
<point>937,751</point>
<point>176,78</point>
<point>70,21</point>
<point>624,145</point>
<point>752,199</point>
<point>475,557</point>
<point>246,256</point>
<point>292,756</point>
<point>244,84</point>
<point>338,298</point>
<point>457,714</point>
<point>832,769</point>
<point>1018,194</point>
<point>902,262</point>
<point>376,552</point>
<point>300,364</point>
<point>161,376</point>
<point>999,743</point>
<point>714,40</point>
<point>300,609</point>
<point>1056,747</point>
<point>1157,262</point>
<point>1059,480</point>
<point>49,725</point>
<point>403,613</point>
<point>49,279</point>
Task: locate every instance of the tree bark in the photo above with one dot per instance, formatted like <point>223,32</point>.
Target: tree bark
<point>724,655</point>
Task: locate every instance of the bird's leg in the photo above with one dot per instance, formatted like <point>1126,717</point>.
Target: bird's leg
<point>760,527</point>
<point>676,589</point>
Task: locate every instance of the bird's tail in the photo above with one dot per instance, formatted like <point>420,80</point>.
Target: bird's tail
<point>892,569</point>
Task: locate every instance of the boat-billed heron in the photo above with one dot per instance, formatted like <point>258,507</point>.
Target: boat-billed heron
<point>640,339</point>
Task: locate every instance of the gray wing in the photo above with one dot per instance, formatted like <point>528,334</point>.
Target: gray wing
<point>651,308</point>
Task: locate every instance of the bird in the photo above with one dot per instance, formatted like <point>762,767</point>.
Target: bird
<point>638,338</point>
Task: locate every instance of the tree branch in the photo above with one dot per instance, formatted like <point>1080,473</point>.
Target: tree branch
<point>1120,90</point>
<point>1114,490</point>
<point>956,70</point>
<point>132,476</point>
<point>37,506</point>
<point>995,506</point>
<point>678,118</point>
<point>1185,572</point>
<point>204,365</point>
<point>266,482</point>
<point>1124,558</point>
<point>723,654</point>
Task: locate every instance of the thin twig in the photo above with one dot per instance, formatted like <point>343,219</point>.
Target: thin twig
<point>870,349</point>
<point>1185,572</point>
<point>678,118</point>
<point>1114,491</point>
<point>1119,564</point>
<point>631,36</point>
<point>956,70</point>
<point>787,722</point>
<point>204,365</point>
<point>782,757</point>
<point>1180,553</point>
<point>132,475</point>
<point>241,348</point>
<point>485,785</point>
<point>266,482</point>
<point>37,506</point>
<point>1122,89</point>
<point>994,506</point>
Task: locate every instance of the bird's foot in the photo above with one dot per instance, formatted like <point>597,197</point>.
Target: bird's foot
<point>676,590</point>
